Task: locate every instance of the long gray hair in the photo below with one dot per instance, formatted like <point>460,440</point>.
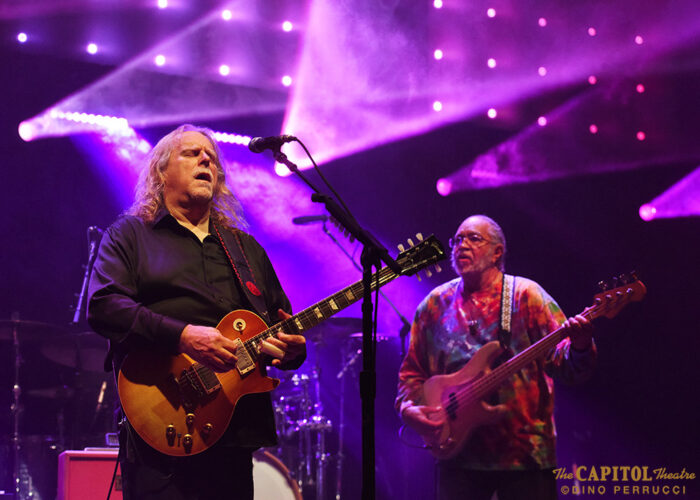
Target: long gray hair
<point>148,200</point>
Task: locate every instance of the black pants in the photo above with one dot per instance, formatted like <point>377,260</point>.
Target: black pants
<point>218,473</point>
<point>453,484</point>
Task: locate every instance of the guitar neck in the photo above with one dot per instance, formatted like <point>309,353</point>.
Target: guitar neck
<point>536,351</point>
<point>315,314</point>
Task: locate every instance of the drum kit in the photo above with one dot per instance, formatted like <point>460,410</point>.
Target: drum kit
<point>311,444</point>
<point>61,398</point>
<point>56,378</point>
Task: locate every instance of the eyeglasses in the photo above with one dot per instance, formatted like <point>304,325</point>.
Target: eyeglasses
<point>474,239</point>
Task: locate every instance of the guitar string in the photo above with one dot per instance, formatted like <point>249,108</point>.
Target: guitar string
<point>472,393</point>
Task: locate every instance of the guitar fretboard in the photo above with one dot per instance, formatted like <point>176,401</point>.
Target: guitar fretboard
<point>315,314</point>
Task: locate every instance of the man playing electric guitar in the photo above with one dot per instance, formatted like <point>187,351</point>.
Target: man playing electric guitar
<point>510,447</point>
<point>165,274</point>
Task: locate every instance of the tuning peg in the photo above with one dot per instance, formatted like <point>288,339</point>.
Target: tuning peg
<point>428,274</point>
<point>400,247</point>
<point>438,269</point>
<point>418,276</point>
<point>615,282</point>
<point>410,242</point>
<point>625,279</point>
<point>419,236</point>
<point>603,285</point>
<point>634,275</point>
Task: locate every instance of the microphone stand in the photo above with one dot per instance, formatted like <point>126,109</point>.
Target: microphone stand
<point>94,235</point>
<point>373,252</point>
<point>405,324</point>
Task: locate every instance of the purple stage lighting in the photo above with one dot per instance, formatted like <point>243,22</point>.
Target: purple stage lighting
<point>680,200</point>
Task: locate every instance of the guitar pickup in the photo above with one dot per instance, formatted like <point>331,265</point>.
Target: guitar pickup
<point>245,363</point>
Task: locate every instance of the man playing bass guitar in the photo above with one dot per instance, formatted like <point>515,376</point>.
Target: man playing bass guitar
<point>510,446</point>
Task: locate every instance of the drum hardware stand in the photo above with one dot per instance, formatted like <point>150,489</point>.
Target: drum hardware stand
<point>16,410</point>
<point>341,424</point>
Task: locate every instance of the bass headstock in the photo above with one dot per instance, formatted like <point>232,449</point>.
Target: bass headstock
<point>616,294</point>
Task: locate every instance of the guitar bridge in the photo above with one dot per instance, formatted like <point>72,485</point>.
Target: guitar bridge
<point>197,381</point>
<point>245,363</point>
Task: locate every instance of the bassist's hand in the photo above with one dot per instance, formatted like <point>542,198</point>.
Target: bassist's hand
<point>206,345</point>
<point>425,420</point>
<point>580,331</point>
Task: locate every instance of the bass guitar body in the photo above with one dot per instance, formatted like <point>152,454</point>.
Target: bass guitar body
<point>460,412</point>
<point>175,405</point>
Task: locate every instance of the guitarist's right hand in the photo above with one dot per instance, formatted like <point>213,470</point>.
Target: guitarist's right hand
<point>206,345</point>
<point>425,420</point>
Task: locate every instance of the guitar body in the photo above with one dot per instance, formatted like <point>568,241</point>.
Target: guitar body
<point>157,402</point>
<point>461,413</point>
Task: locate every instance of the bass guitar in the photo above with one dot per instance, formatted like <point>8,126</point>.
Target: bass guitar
<point>460,394</point>
<point>181,407</point>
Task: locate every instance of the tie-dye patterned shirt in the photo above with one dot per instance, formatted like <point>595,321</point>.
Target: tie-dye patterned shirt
<point>447,330</point>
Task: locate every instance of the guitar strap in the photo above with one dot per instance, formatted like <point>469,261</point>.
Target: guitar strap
<point>244,273</point>
<point>505,331</point>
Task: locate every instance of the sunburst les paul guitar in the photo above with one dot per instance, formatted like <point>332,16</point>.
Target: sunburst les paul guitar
<point>180,407</point>
<point>460,394</point>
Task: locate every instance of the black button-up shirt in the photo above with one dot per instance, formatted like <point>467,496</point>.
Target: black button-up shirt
<point>150,280</point>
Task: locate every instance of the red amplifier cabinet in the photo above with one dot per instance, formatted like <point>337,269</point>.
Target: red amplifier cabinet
<point>86,475</point>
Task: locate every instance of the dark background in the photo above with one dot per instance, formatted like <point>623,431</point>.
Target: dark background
<point>640,408</point>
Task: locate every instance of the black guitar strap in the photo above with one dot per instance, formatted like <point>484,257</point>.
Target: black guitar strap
<point>244,273</point>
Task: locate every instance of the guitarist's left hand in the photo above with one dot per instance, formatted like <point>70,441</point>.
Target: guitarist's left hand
<point>580,330</point>
<point>285,347</point>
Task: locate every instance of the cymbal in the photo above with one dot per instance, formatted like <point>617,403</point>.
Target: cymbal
<point>334,328</point>
<point>58,392</point>
<point>380,337</point>
<point>28,330</point>
<point>84,351</point>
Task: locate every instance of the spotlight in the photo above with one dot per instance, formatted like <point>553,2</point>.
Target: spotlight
<point>21,37</point>
<point>282,170</point>
<point>224,70</point>
<point>542,121</point>
<point>593,128</point>
<point>162,4</point>
<point>640,88</point>
<point>91,48</point>
<point>638,40</point>
<point>591,31</point>
<point>26,131</point>
<point>592,80</point>
<point>491,63</point>
<point>647,212</point>
<point>542,22</point>
<point>437,106</point>
<point>444,187</point>
<point>159,60</point>
<point>287,26</point>
<point>438,54</point>
<point>226,15</point>
<point>286,80</point>
<point>437,4</point>
<point>491,12</point>
<point>542,71</point>
<point>492,113</point>
<point>641,136</point>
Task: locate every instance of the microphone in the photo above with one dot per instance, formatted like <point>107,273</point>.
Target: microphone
<point>260,144</point>
<point>309,219</point>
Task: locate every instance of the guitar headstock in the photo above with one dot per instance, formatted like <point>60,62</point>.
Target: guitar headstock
<point>421,255</point>
<point>616,294</point>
